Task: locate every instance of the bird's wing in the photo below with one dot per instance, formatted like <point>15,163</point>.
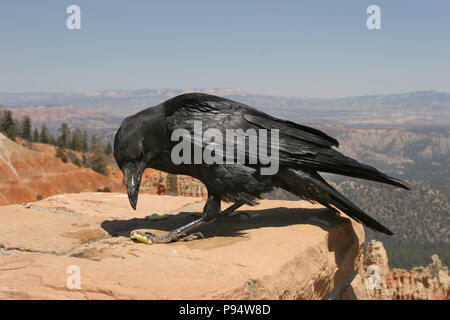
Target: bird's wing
<point>217,113</point>
<point>299,146</point>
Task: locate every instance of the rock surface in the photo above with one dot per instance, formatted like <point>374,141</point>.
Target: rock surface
<point>286,250</point>
<point>26,175</point>
<point>377,281</point>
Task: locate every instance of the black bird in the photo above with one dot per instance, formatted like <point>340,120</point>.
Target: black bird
<point>144,141</point>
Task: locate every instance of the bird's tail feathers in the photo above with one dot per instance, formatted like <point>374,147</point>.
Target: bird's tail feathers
<point>312,186</point>
<point>335,162</point>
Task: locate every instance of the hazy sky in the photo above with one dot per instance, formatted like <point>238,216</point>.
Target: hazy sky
<point>291,48</point>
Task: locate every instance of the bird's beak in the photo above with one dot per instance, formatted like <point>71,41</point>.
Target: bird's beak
<point>133,181</point>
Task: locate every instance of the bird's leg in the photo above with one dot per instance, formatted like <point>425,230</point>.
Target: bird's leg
<point>175,234</point>
<point>210,212</point>
<point>230,211</point>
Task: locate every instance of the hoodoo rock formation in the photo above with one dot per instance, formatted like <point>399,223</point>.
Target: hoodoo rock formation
<point>377,281</point>
<point>163,183</point>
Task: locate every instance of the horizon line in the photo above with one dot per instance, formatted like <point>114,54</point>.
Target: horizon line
<point>188,90</point>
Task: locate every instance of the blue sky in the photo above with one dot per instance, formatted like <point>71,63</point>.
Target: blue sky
<point>287,48</point>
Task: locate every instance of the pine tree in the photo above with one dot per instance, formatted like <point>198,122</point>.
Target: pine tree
<point>61,152</point>
<point>98,160</point>
<point>2,120</point>
<point>8,125</point>
<point>84,159</point>
<point>108,149</point>
<point>25,128</point>
<point>44,135</point>
<point>76,140</point>
<point>63,139</point>
<point>84,142</point>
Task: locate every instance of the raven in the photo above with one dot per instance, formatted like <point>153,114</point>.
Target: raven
<point>145,140</point>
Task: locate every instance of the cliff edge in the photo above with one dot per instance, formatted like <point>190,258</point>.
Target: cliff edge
<point>76,246</point>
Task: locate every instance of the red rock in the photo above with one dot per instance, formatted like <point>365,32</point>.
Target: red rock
<point>162,183</point>
<point>26,174</point>
<point>421,283</point>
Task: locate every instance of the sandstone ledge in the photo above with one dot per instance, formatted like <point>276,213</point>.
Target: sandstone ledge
<point>287,250</point>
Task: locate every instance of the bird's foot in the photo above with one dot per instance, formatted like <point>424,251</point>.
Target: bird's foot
<point>150,238</point>
<point>144,237</point>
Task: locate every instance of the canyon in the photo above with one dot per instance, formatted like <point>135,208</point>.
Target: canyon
<point>28,175</point>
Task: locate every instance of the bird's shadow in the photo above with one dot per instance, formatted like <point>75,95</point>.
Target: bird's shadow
<point>342,243</point>
<point>231,226</point>
<point>236,227</point>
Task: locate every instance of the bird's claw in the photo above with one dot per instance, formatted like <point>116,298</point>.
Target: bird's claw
<point>144,237</point>
<point>150,238</point>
